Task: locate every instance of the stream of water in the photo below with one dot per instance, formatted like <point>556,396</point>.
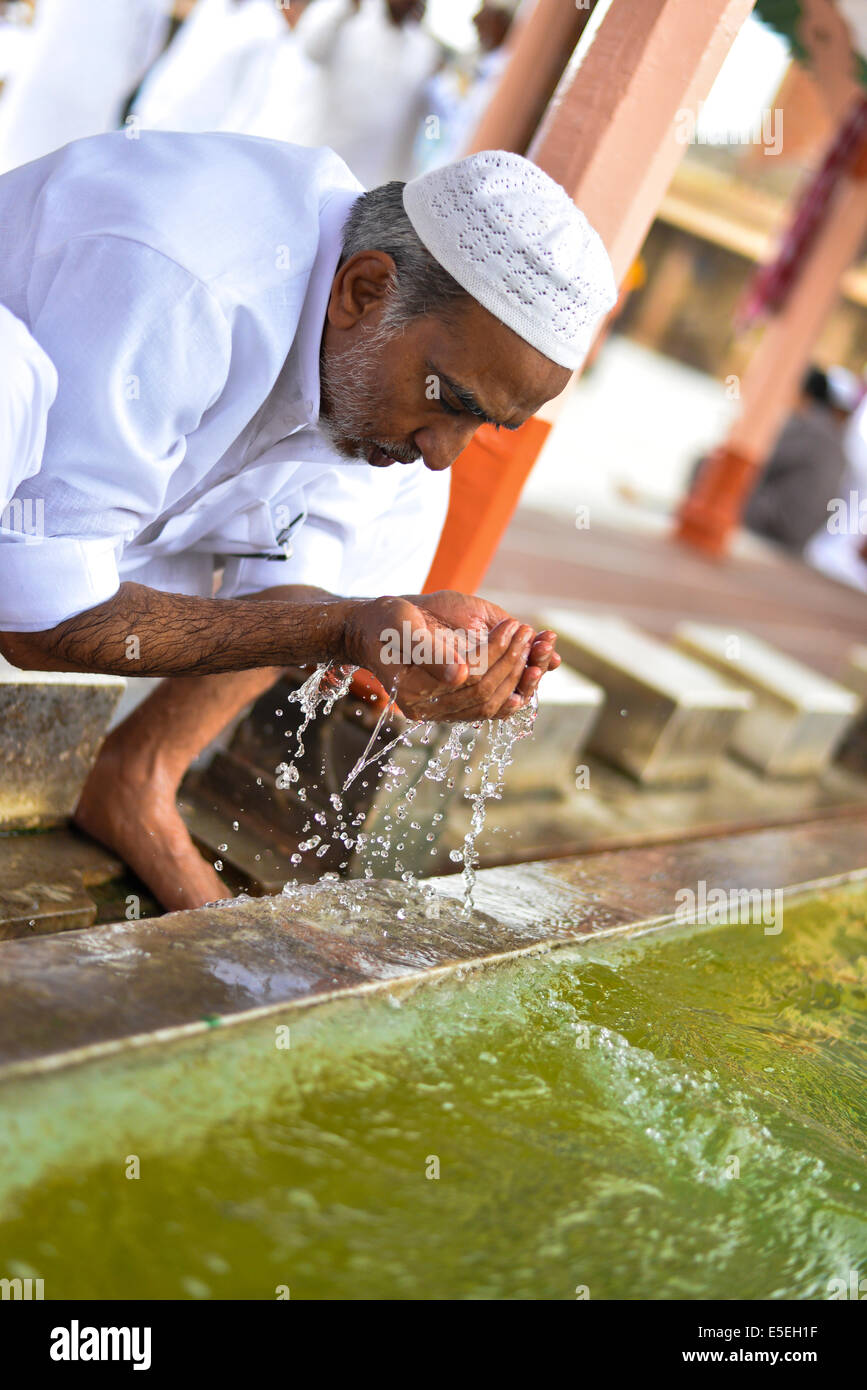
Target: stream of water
<point>491,742</point>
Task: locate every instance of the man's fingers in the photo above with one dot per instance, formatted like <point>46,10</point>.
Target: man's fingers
<point>485,698</point>
<point>528,683</point>
<point>496,645</point>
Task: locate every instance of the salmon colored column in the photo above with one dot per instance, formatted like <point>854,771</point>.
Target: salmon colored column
<point>618,124</point>
<point>540,43</point>
<point>713,508</point>
<point>613,136</point>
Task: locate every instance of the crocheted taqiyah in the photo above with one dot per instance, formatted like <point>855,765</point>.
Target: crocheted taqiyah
<point>515,241</point>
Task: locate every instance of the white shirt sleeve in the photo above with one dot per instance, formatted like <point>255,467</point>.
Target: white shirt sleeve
<point>142,350</point>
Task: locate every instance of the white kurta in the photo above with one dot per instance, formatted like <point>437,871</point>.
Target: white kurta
<point>179,285</point>
<point>83,60</point>
<point>235,68</point>
<point>374,87</point>
<point>28,385</point>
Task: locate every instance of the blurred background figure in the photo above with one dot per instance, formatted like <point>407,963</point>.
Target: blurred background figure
<point>807,465</point>
<point>458,94</point>
<point>75,72</point>
<point>16,33</point>
<point>234,65</point>
<point>375,62</point>
<point>839,547</point>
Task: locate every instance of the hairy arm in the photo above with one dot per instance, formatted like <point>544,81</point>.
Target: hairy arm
<point>145,632</point>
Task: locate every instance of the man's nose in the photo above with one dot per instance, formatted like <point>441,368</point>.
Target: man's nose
<point>440,446</point>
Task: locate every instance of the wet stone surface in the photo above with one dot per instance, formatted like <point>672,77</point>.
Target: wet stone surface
<point>97,985</point>
<point>46,882</point>
<point>646,881</point>
<point>100,985</point>
<point>51,729</point>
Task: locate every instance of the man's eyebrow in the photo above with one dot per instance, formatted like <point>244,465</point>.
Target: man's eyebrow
<point>468,400</point>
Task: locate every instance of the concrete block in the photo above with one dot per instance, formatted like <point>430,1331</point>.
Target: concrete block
<point>855,676</point>
<point>798,717</point>
<point>52,724</point>
<point>666,718</point>
<point>544,764</point>
<point>853,749</point>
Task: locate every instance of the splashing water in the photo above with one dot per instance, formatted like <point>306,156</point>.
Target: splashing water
<point>494,740</point>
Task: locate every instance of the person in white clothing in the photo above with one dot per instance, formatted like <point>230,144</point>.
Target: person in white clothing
<point>459,93</point>
<point>82,60</point>
<point>839,548</point>
<point>234,65</point>
<point>376,61</point>
<point>264,372</point>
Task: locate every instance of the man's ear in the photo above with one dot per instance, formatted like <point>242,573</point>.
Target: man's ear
<point>360,287</point>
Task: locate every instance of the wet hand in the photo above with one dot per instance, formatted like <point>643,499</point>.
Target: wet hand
<point>449,656</point>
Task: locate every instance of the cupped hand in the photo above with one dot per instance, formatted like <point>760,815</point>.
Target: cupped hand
<point>449,656</point>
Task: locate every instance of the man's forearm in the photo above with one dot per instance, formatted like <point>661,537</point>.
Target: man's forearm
<point>144,632</point>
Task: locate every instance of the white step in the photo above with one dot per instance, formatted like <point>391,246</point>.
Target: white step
<point>798,716</point>
<point>666,718</point>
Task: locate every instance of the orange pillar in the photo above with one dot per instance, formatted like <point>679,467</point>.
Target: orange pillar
<point>486,484</point>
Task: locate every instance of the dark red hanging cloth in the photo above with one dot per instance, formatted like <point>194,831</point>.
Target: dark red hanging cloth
<point>770,286</point>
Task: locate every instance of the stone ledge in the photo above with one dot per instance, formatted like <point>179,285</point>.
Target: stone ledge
<point>81,995</point>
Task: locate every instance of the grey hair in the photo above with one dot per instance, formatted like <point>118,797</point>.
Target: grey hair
<point>378,222</point>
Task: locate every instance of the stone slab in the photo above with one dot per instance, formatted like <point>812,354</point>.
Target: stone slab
<point>798,717</point>
<point>80,994</point>
<point>40,908</point>
<point>51,727</point>
<point>666,718</point>
<point>47,880</point>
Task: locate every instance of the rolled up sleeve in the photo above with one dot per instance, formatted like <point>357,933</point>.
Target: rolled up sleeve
<point>141,349</point>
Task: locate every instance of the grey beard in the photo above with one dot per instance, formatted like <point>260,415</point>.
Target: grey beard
<point>349,400</point>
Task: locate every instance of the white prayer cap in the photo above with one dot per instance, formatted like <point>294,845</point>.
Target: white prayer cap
<point>515,241</point>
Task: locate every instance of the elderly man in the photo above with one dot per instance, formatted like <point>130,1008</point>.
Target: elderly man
<point>262,373</point>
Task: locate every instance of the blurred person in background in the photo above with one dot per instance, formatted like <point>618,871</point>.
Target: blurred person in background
<point>375,61</point>
<point>235,66</point>
<point>807,465</point>
<point>81,61</point>
<point>458,94</point>
<point>839,547</point>
<point>16,34</point>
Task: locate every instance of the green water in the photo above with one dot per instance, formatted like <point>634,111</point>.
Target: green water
<point>673,1117</point>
